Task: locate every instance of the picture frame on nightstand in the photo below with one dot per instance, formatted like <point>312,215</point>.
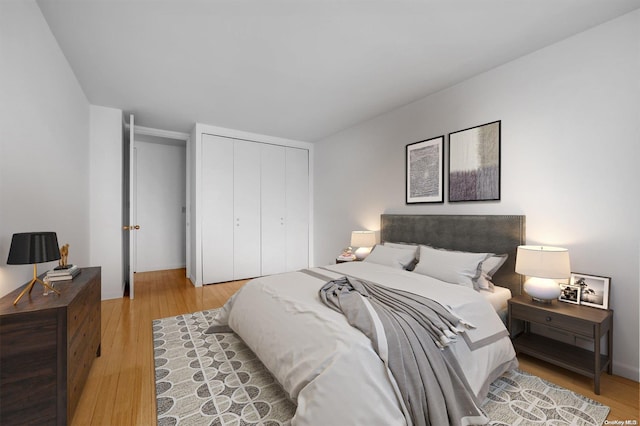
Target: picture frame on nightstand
<point>569,293</point>
<point>594,289</point>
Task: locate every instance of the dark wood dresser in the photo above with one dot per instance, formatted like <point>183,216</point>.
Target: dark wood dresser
<point>47,346</point>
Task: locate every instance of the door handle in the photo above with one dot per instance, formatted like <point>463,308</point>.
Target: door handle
<point>131,228</point>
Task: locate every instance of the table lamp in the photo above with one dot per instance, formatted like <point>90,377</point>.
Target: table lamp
<point>33,248</point>
<point>543,265</point>
<point>364,240</point>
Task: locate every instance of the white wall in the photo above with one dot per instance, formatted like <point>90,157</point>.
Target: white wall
<point>161,200</point>
<point>105,180</point>
<point>570,149</point>
<point>44,128</point>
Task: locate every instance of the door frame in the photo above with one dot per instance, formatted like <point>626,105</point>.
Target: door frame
<point>129,196</point>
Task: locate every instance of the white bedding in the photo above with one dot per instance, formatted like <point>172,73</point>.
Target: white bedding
<point>330,368</point>
<point>499,299</point>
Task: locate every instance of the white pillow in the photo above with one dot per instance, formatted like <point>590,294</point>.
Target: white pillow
<point>454,267</point>
<point>389,256</point>
<point>489,267</point>
<point>406,246</point>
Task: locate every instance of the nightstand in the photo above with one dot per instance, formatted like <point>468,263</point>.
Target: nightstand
<point>575,320</point>
<point>345,261</point>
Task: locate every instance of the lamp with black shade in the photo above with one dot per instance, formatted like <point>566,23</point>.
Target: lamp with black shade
<point>33,248</point>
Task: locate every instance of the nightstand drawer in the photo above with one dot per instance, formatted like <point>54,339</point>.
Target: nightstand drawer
<point>552,319</point>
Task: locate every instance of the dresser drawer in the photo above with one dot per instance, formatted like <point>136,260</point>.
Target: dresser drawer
<point>82,307</point>
<point>552,319</point>
<point>83,340</point>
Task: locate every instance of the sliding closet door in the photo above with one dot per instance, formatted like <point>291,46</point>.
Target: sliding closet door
<point>297,209</point>
<point>273,209</point>
<point>246,207</point>
<point>255,209</point>
<point>217,209</point>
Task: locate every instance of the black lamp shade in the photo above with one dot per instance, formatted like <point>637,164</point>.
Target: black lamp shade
<point>33,247</point>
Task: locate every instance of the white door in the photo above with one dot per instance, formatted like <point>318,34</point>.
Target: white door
<point>217,209</point>
<point>273,205</point>
<point>297,209</point>
<point>129,216</point>
<point>246,207</point>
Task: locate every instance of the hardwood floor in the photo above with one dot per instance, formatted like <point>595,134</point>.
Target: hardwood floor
<point>120,388</point>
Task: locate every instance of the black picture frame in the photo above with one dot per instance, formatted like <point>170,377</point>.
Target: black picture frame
<point>474,163</point>
<point>569,293</point>
<point>594,289</point>
<point>425,171</point>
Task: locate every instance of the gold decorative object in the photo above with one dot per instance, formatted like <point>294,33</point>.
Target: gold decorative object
<point>64,255</point>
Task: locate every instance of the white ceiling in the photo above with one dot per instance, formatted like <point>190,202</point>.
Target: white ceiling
<point>298,69</point>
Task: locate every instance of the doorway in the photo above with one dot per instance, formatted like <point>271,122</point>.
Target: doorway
<point>154,201</point>
<point>160,203</point>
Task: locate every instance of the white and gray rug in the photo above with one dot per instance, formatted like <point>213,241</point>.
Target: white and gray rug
<point>214,379</point>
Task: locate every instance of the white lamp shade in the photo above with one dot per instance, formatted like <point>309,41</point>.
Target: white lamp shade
<point>363,239</point>
<point>543,262</point>
<point>542,265</point>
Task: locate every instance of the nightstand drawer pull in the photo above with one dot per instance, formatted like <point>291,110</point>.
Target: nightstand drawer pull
<point>548,319</point>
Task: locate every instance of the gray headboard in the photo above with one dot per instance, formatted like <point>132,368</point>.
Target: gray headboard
<point>474,233</point>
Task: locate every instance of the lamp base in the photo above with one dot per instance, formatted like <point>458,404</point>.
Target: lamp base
<point>545,301</point>
<point>29,287</point>
<point>542,290</point>
<point>362,252</point>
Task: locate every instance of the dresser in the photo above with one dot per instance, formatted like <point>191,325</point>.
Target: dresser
<point>47,346</point>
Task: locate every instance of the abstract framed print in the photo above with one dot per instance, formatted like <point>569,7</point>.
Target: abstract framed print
<point>474,163</point>
<point>425,171</point>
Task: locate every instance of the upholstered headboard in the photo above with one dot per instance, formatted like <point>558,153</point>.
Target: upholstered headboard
<point>475,233</point>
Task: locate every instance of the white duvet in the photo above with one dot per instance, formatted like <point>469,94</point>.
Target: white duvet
<point>330,368</point>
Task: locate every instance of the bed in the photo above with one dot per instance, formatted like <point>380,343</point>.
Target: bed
<point>329,368</point>
<point>471,233</point>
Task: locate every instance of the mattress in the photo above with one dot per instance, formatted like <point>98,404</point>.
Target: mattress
<point>498,299</point>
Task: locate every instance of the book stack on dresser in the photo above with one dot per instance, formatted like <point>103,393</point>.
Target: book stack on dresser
<point>62,273</point>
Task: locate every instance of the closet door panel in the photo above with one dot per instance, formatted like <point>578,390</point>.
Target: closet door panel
<point>246,207</point>
<point>273,209</point>
<point>297,208</point>
<point>217,209</point>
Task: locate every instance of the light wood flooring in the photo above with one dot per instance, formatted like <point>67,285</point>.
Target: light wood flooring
<point>120,388</point>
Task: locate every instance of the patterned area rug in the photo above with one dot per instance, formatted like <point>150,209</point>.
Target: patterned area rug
<point>214,379</point>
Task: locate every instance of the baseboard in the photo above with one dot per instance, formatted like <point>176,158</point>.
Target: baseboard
<point>626,371</point>
<point>161,267</point>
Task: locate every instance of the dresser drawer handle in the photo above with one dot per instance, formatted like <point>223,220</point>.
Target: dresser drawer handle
<point>548,319</point>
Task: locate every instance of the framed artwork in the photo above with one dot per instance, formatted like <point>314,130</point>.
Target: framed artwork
<point>594,290</point>
<point>425,171</point>
<point>569,293</point>
<point>474,163</point>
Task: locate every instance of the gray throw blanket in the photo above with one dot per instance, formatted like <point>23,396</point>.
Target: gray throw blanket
<point>414,346</point>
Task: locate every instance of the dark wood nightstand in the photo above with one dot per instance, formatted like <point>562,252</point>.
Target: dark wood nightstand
<point>575,320</point>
